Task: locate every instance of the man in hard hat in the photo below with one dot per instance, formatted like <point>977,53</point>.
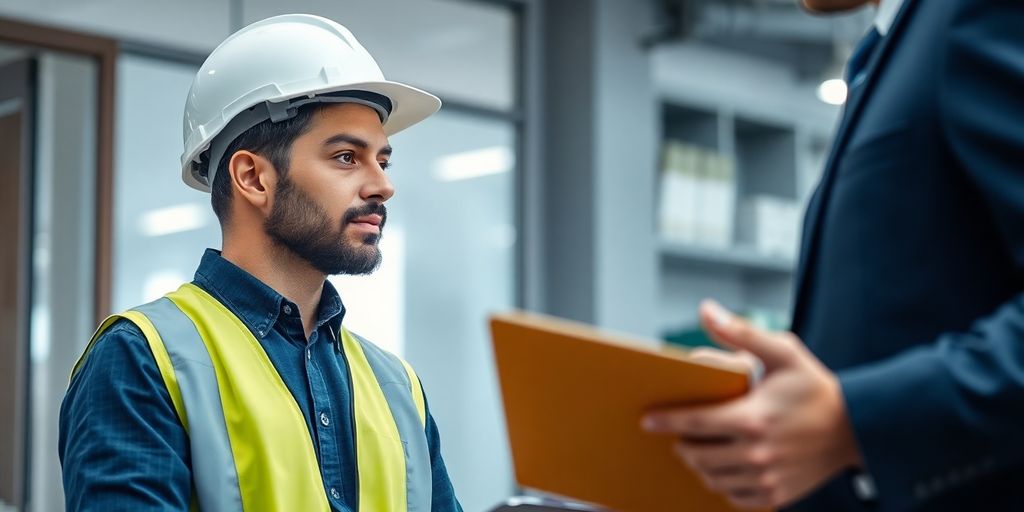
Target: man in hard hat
<point>242,390</point>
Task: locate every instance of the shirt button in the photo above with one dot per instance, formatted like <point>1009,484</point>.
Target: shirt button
<point>309,354</point>
<point>287,309</point>
<point>335,494</point>
<point>324,419</point>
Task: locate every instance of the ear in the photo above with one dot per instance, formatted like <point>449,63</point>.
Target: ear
<point>253,178</point>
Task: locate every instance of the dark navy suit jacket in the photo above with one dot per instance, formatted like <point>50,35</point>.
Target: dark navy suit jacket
<point>911,277</point>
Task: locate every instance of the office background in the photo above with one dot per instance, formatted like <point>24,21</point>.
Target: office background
<point>608,161</point>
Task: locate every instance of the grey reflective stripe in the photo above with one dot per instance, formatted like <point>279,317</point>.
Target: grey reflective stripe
<point>394,381</point>
<point>213,465</point>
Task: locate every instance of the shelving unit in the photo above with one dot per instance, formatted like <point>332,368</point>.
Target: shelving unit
<point>775,156</point>
<point>741,259</point>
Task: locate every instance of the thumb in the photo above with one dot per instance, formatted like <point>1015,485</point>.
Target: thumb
<point>774,349</point>
<point>741,360</point>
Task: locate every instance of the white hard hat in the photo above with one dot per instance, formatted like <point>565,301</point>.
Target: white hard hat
<point>269,69</point>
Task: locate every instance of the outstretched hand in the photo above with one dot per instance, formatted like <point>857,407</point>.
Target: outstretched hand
<point>776,444</point>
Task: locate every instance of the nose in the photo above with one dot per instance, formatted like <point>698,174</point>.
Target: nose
<point>378,186</point>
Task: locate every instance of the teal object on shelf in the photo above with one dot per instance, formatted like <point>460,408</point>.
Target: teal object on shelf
<point>694,336</point>
<point>689,338</point>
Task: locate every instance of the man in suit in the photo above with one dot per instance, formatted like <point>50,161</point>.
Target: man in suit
<point>901,386</point>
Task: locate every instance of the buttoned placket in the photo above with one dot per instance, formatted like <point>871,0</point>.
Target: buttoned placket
<point>324,420</point>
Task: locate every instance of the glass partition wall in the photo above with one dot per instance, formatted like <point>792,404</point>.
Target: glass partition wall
<point>56,90</point>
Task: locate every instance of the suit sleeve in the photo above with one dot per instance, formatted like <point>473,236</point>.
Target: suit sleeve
<point>121,445</point>
<point>950,413</point>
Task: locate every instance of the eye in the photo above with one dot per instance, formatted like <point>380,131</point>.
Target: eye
<point>385,165</point>
<point>347,157</point>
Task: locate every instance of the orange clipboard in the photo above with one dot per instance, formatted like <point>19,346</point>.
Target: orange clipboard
<point>573,399</point>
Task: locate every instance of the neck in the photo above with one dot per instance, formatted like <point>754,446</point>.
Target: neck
<point>283,271</point>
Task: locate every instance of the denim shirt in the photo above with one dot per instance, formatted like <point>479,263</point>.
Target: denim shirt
<point>121,444</point>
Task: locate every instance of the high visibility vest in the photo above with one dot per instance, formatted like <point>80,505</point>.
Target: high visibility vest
<point>251,449</point>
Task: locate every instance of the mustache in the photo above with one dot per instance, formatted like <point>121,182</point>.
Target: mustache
<point>367,209</point>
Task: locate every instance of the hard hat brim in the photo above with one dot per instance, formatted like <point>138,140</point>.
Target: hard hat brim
<point>409,106</point>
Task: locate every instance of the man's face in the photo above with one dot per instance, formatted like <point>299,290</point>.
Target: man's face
<point>823,6</point>
<point>329,207</point>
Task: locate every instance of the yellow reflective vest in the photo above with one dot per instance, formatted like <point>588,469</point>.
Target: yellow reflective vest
<point>250,446</point>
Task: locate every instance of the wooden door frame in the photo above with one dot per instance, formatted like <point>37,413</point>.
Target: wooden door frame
<point>21,91</point>
<point>104,52</point>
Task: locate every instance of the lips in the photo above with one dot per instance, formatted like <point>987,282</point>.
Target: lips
<point>374,220</point>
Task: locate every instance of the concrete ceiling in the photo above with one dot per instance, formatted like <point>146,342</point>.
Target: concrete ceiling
<point>773,30</point>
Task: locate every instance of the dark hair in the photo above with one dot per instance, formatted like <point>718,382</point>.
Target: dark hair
<point>268,139</point>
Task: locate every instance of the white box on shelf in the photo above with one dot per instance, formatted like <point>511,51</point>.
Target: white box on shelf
<point>770,225</point>
<point>716,201</point>
<point>698,196</point>
<point>678,192</point>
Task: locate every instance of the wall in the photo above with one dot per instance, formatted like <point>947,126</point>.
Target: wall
<point>62,309</point>
<point>598,186</point>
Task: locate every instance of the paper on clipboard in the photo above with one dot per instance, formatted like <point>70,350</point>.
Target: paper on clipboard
<point>573,399</point>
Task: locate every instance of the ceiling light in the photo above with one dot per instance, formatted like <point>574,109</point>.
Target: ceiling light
<point>474,164</point>
<point>832,91</point>
<point>173,219</point>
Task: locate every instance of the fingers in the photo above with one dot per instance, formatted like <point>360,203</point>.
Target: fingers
<point>737,418</point>
<point>712,457</point>
<point>716,357</point>
<point>735,469</point>
<point>740,360</point>
<point>752,500</point>
<point>774,349</point>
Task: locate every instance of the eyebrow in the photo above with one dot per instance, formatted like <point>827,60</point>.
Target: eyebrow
<point>355,141</point>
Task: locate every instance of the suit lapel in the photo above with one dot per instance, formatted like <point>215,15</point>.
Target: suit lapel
<point>817,207</point>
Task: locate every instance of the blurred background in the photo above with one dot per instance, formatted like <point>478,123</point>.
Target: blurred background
<point>607,161</point>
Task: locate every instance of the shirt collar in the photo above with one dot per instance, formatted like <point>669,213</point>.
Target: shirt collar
<point>252,301</point>
<point>886,15</point>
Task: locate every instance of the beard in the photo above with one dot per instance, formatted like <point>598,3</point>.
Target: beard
<point>297,223</point>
